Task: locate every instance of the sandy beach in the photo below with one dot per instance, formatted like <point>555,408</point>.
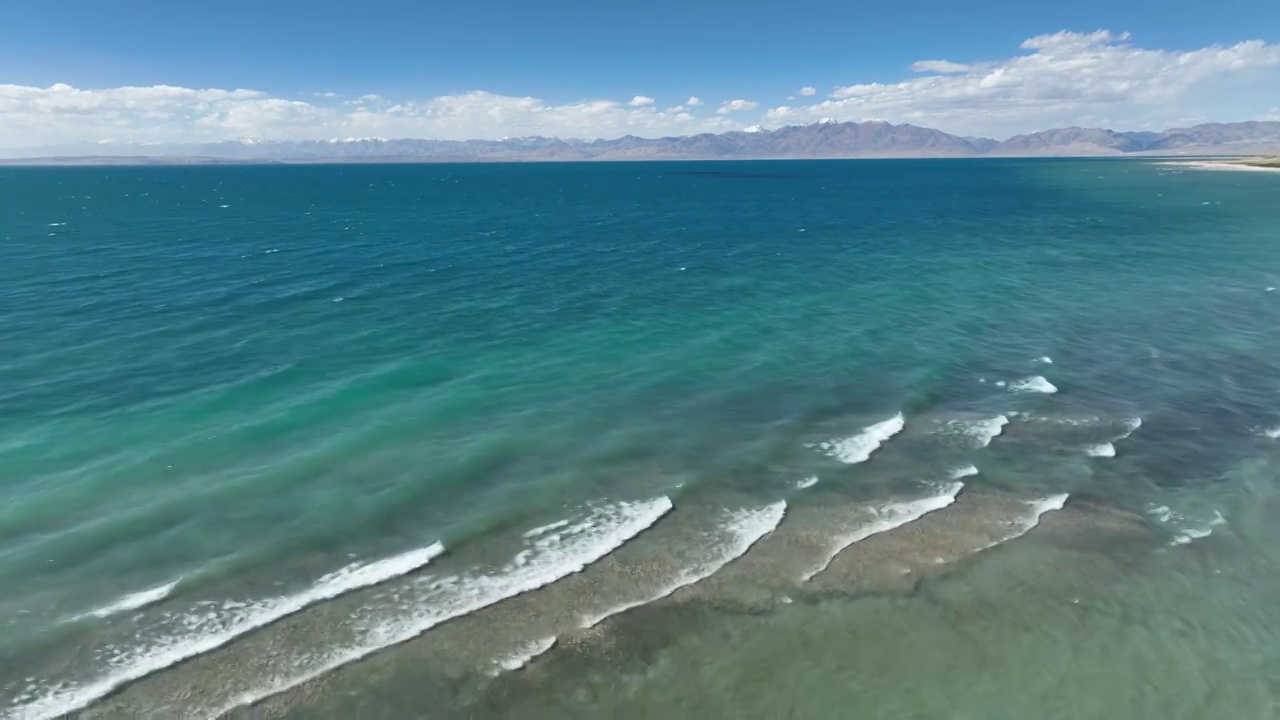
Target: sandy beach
<point>1242,165</point>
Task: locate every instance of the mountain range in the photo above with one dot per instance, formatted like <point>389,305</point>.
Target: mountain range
<point>826,139</point>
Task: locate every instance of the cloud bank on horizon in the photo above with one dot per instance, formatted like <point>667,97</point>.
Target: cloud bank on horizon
<point>1097,79</point>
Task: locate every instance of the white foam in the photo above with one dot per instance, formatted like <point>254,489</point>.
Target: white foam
<point>1130,426</point>
<point>1108,449</point>
<point>1084,421</point>
<point>542,530</point>
<point>888,517</point>
<point>1272,432</point>
<point>745,528</point>
<point>856,449</point>
<point>807,482</point>
<point>982,431</point>
<point>1045,359</point>
<point>963,472</point>
<point>205,631</point>
<point>134,601</point>
<point>525,654</point>
<point>1039,508</point>
<point>1189,534</point>
<point>1196,533</point>
<point>553,557</point>
<point>1035,383</point>
<point>1046,505</point>
<point>1101,450</point>
<point>1224,165</point>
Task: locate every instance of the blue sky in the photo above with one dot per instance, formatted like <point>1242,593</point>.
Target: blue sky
<point>568,54</point>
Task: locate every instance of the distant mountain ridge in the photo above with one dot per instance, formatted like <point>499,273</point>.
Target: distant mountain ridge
<point>1094,141</point>
<point>826,139</point>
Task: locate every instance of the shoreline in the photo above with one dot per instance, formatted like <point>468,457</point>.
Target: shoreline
<point>1266,164</point>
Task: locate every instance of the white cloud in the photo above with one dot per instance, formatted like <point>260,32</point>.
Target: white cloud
<point>61,114</point>
<point>1060,79</point>
<point>324,94</point>
<point>737,106</point>
<point>940,67</point>
<point>808,90</point>
<point>1066,78</point>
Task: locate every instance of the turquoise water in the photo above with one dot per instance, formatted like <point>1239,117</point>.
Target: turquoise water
<point>272,439</point>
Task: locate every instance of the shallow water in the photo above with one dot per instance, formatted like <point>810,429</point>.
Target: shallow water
<point>288,456</point>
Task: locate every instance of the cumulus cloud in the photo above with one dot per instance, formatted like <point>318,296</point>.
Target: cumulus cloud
<point>61,114</point>
<point>940,67</point>
<point>808,90</point>
<point>365,100</point>
<point>1065,78</point>
<point>733,106</point>
<point>1096,79</point>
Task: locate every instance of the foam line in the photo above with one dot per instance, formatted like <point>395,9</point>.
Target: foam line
<point>525,654</point>
<point>745,527</point>
<point>209,631</point>
<point>858,448</point>
<point>133,601</point>
<point>888,517</point>
<point>1036,383</point>
<point>568,550</point>
<point>1039,508</point>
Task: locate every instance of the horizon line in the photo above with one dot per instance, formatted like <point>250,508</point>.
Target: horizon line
<point>249,140</point>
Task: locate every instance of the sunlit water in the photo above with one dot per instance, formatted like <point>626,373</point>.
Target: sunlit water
<point>962,439</point>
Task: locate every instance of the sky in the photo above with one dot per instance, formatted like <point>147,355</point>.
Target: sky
<point>159,71</point>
